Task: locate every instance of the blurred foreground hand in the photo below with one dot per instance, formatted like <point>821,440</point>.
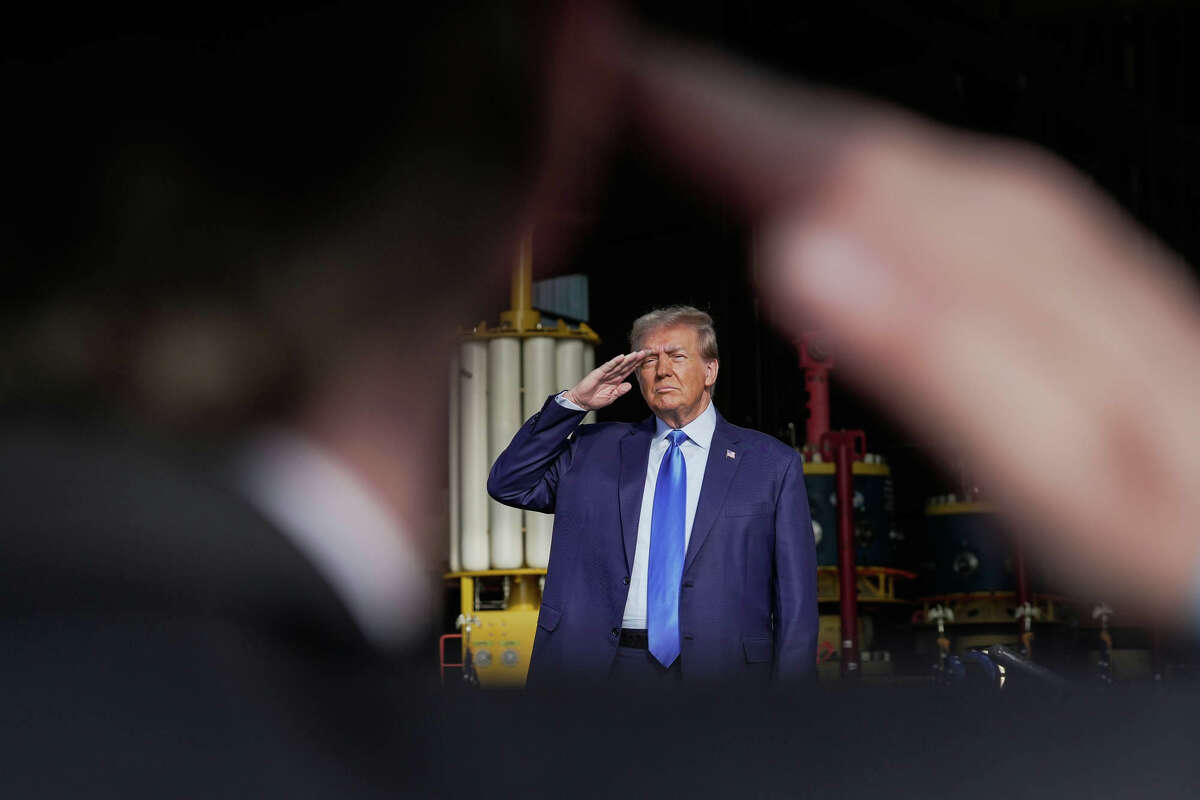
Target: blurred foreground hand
<point>981,291</point>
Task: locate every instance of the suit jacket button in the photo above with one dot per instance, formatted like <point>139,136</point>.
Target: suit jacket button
<point>688,585</point>
<point>615,632</point>
<point>625,580</point>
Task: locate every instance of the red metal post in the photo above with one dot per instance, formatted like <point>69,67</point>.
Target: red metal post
<point>816,381</point>
<point>816,362</point>
<point>848,590</point>
<point>1158,655</point>
<point>840,445</point>
<point>1024,600</point>
<point>442,662</point>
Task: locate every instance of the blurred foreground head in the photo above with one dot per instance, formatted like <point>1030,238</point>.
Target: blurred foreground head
<point>206,217</point>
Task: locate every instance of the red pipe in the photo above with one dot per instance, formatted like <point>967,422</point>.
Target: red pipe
<point>1158,660</point>
<point>844,442</point>
<point>848,590</point>
<point>816,363</point>
<point>442,662</point>
<point>816,381</point>
<point>1024,600</point>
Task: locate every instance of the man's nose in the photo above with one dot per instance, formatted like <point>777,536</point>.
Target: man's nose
<point>662,367</point>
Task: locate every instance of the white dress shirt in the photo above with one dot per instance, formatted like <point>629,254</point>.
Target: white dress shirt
<point>695,456</point>
<point>335,521</point>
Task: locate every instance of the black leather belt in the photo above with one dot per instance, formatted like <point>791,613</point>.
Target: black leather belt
<point>639,639</point>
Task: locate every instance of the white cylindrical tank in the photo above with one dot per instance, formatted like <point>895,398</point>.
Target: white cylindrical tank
<point>568,362</point>
<point>537,373</point>
<point>455,524</point>
<point>538,370</point>
<point>588,364</point>
<point>504,418</point>
<point>473,461</point>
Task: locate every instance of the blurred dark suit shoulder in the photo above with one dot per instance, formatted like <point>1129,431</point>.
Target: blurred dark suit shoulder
<point>97,524</point>
<point>160,635</point>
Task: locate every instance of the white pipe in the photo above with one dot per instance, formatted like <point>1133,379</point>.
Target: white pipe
<point>504,418</point>
<point>587,365</point>
<point>568,362</point>
<point>455,523</point>
<point>473,455</point>
<point>538,374</point>
<point>538,380</point>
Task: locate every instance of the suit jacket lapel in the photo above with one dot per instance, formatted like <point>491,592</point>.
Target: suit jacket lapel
<point>719,470</point>
<point>635,454</point>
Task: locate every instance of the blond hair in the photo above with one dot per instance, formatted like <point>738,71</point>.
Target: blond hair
<point>676,315</point>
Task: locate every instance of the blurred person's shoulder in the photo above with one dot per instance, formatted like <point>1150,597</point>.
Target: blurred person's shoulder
<point>146,607</point>
<point>98,520</point>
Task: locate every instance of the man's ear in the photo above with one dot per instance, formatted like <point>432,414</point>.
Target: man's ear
<point>710,372</point>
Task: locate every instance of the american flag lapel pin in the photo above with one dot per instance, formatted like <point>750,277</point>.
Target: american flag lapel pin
<point>730,455</point>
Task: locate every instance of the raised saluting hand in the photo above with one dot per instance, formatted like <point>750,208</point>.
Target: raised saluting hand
<point>603,385</point>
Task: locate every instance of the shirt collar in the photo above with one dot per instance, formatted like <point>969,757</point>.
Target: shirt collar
<point>700,430</point>
<point>338,523</point>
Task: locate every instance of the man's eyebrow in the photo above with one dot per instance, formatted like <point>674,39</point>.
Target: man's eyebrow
<point>672,348</point>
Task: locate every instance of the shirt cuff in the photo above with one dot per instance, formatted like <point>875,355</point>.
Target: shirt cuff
<point>561,399</point>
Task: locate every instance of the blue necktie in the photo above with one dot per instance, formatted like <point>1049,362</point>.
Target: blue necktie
<point>667,524</point>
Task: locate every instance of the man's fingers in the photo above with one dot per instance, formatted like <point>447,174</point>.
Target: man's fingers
<point>624,366</point>
<point>980,290</point>
<point>607,372</point>
<point>611,366</point>
<point>760,143</point>
<point>636,357</point>
<point>614,370</point>
<point>976,371</point>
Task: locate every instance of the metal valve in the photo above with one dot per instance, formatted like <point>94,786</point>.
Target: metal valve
<point>1102,612</point>
<point>1029,612</point>
<point>940,614</point>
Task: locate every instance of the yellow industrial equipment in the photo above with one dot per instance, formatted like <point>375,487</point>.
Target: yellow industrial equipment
<point>498,621</point>
<point>498,555</point>
<point>875,584</point>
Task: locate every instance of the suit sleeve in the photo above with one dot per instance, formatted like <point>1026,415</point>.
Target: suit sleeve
<point>526,474</point>
<point>795,580</point>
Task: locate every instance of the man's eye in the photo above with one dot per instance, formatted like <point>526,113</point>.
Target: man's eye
<point>679,356</point>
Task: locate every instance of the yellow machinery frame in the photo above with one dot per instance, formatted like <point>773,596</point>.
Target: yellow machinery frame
<point>497,643</point>
<point>875,584</point>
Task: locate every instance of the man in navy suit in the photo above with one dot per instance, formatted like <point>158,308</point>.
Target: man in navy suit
<point>683,547</point>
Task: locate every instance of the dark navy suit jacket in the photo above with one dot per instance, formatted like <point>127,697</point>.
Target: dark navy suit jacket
<point>748,604</point>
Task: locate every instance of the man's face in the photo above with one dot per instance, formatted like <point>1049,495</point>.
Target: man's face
<point>674,377</point>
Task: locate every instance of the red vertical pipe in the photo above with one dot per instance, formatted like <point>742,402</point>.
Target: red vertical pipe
<point>1023,595</point>
<point>1158,660</point>
<point>816,363</point>
<point>847,574</point>
<point>816,381</point>
<point>1024,600</point>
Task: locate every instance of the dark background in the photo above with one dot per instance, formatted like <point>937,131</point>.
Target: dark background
<point>1110,87</point>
